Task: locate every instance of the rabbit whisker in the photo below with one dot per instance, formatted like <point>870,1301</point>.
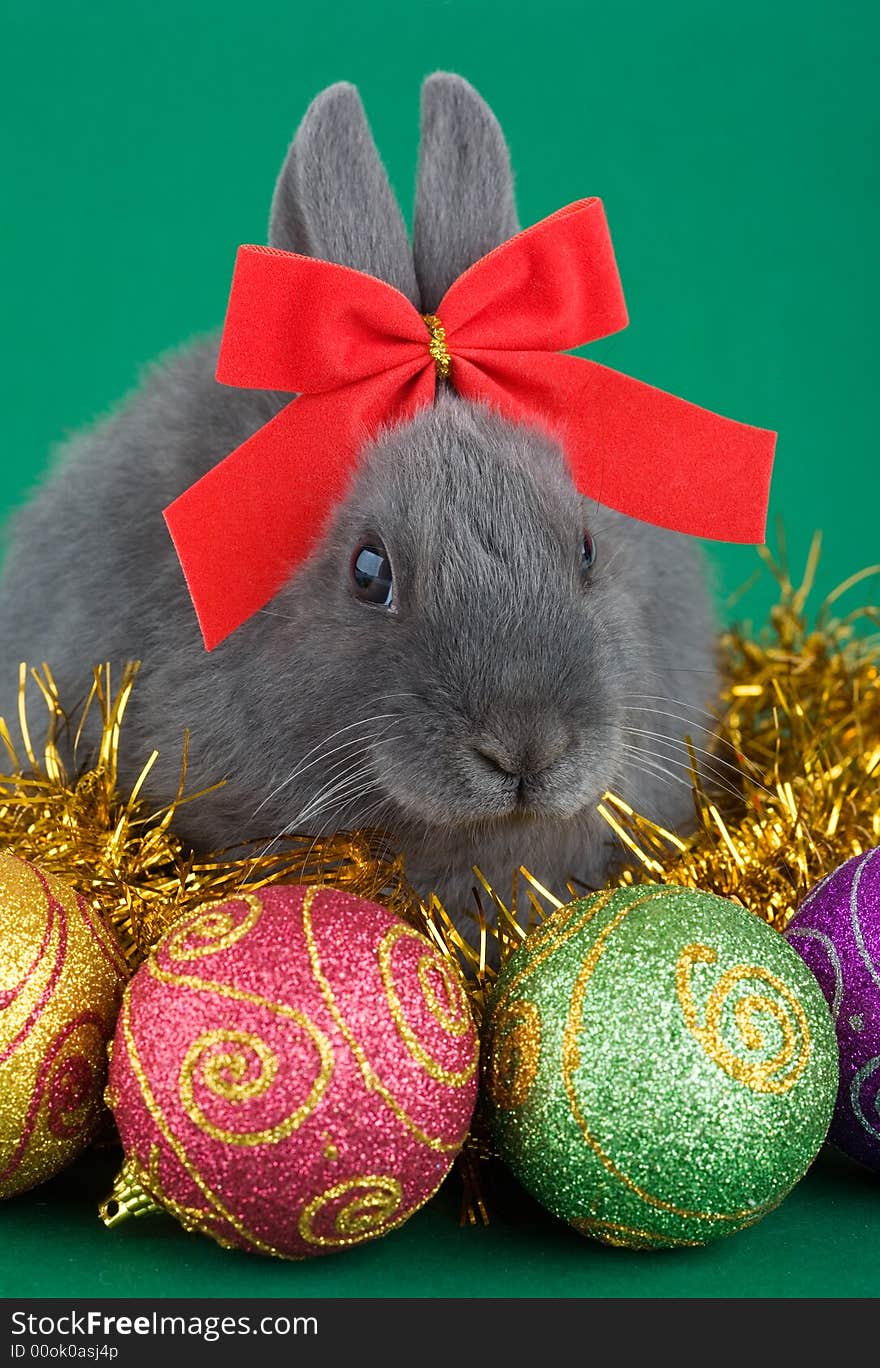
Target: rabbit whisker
<point>710,732</point>
<point>711,758</point>
<point>354,747</point>
<point>336,779</point>
<point>346,786</point>
<point>680,702</point>
<point>301,767</point>
<point>272,612</point>
<point>717,777</point>
<point>687,725</point>
<point>643,764</point>
<point>317,799</point>
<point>339,804</point>
<point>667,761</point>
<point>335,817</point>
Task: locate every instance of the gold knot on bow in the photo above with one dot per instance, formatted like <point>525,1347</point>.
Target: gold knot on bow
<point>437,345</point>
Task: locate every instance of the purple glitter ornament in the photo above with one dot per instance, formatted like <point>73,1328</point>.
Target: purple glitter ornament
<point>836,931</point>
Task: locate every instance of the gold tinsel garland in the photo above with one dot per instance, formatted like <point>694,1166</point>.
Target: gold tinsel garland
<point>798,731</point>
<point>122,854</point>
<point>800,724</point>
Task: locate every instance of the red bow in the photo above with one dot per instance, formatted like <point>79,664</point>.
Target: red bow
<point>359,355</point>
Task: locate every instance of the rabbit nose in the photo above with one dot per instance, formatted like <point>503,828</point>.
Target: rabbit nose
<point>529,758</point>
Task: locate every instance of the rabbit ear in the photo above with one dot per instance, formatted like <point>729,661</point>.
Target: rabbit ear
<point>333,198</point>
<point>464,199</point>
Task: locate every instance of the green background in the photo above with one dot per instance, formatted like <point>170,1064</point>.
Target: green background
<point>734,147</point>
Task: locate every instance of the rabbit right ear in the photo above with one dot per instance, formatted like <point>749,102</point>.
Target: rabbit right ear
<point>464,199</point>
<point>333,199</point>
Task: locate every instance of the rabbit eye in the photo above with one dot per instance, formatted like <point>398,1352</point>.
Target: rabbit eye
<point>371,573</point>
<point>588,553</point>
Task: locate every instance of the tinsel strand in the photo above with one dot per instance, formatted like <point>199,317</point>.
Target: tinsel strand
<point>798,725</point>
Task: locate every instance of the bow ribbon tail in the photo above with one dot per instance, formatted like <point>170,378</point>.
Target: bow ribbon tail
<point>246,525</point>
<point>633,447</point>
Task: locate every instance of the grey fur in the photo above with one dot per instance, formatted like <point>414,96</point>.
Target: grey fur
<point>333,199</point>
<point>498,647</point>
<point>464,197</point>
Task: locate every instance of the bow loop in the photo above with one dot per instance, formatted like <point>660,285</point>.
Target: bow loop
<point>303,326</point>
<point>552,287</point>
<point>360,356</point>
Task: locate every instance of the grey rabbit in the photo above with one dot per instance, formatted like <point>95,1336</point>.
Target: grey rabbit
<point>473,653</point>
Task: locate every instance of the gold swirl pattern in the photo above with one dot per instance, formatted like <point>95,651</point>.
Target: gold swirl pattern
<point>453,1014</point>
<point>227,1074</point>
<point>213,927</point>
<point>571,1062</point>
<point>368,1073</point>
<point>454,1017</point>
<point>373,1209</point>
<point>513,1054</point>
<point>234,1066</point>
<point>549,935</point>
<point>629,1237</point>
<point>777,1074</point>
<point>217,1210</point>
<point>194,1220</point>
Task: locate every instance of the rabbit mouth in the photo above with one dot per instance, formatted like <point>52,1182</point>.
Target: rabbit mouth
<point>538,797</point>
<point>479,782</point>
<point>522,802</point>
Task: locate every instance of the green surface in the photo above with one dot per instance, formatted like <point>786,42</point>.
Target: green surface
<point>824,1241</point>
<point>735,147</point>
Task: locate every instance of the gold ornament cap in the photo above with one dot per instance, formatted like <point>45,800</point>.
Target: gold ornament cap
<point>128,1198</point>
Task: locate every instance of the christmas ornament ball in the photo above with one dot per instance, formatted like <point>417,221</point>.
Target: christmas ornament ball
<point>61,979</point>
<point>294,1071</point>
<point>836,930</point>
<point>660,1067</point>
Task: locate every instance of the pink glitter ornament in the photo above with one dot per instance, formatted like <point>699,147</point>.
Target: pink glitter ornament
<point>294,1071</point>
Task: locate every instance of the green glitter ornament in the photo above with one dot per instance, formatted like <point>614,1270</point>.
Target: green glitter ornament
<point>660,1067</point>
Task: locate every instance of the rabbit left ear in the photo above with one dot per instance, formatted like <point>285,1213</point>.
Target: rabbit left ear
<point>333,199</point>
<point>464,198</point>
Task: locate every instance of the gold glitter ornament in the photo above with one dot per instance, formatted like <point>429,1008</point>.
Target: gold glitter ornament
<point>61,980</point>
